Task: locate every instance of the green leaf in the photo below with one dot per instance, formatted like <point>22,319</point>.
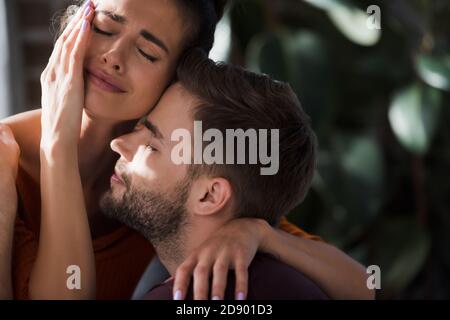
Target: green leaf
<point>352,173</point>
<point>434,70</point>
<point>302,60</point>
<point>400,249</point>
<point>311,76</point>
<point>329,5</point>
<point>266,54</point>
<point>363,159</point>
<point>413,116</point>
<point>351,21</point>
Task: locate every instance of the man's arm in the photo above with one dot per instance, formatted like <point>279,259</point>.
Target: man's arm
<point>339,276</point>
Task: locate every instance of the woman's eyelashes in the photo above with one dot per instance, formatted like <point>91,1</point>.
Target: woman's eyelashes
<point>147,56</point>
<point>99,31</point>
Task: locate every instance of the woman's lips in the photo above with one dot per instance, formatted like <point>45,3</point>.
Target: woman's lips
<point>100,81</point>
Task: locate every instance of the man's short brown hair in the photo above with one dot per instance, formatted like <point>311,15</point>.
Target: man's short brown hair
<point>234,98</point>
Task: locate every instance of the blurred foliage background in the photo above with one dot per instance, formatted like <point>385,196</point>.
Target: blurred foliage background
<point>379,103</point>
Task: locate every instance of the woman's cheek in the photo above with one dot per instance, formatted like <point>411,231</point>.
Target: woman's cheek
<point>90,51</point>
<point>147,97</point>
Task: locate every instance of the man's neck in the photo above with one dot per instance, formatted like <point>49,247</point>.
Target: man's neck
<point>173,252</point>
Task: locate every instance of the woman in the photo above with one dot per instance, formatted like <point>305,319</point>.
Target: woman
<point>107,69</point>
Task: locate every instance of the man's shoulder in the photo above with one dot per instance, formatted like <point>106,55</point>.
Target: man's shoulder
<point>271,279</point>
<point>162,291</point>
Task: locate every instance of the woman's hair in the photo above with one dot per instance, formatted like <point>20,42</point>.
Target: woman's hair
<point>202,17</point>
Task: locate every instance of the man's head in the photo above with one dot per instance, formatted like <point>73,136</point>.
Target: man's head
<point>160,198</point>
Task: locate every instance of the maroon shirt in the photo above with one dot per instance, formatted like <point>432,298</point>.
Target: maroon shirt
<point>269,279</point>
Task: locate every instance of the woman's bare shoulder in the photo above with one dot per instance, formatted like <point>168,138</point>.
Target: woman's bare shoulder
<point>26,128</point>
<point>23,119</point>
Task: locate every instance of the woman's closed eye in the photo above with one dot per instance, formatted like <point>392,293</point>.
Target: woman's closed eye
<point>100,31</point>
<point>147,56</point>
<point>109,34</point>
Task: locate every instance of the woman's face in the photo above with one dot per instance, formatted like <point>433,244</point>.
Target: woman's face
<point>132,55</point>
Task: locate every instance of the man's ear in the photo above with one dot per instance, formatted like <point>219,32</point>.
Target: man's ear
<point>210,195</point>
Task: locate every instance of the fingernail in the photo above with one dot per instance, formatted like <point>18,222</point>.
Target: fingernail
<point>87,4</point>
<point>84,26</point>
<point>240,296</point>
<point>177,295</point>
<point>216,298</point>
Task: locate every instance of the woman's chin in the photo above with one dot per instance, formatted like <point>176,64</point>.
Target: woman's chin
<point>97,107</point>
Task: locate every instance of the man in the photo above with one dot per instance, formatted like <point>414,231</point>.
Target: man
<point>178,191</point>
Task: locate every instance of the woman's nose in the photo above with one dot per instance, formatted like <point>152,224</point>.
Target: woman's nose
<point>114,61</point>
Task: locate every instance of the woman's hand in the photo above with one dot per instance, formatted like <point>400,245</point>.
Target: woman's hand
<point>9,163</point>
<point>233,247</point>
<point>63,85</point>
<point>9,159</point>
<point>9,155</point>
<point>64,239</point>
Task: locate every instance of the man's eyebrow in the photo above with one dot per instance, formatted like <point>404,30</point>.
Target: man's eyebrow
<point>113,16</point>
<point>152,38</point>
<point>153,129</point>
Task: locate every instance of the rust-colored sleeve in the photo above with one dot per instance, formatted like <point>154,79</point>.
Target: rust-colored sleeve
<point>24,254</point>
<point>296,231</point>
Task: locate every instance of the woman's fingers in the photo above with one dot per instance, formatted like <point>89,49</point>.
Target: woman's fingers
<point>201,280</point>
<point>183,279</point>
<point>220,274</point>
<point>55,57</point>
<point>241,271</point>
<point>76,44</point>
<point>56,54</point>
<point>79,50</point>
<point>74,21</point>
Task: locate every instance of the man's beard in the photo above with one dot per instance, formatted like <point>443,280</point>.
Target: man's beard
<point>159,218</point>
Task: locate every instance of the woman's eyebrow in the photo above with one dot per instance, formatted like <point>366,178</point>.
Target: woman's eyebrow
<point>147,35</point>
<point>115,17</point>
<point>152,38</point>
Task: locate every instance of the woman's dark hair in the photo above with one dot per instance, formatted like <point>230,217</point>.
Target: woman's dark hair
<point>202,17</point>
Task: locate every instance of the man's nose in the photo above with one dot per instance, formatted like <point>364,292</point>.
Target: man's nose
<point>124,147</point>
